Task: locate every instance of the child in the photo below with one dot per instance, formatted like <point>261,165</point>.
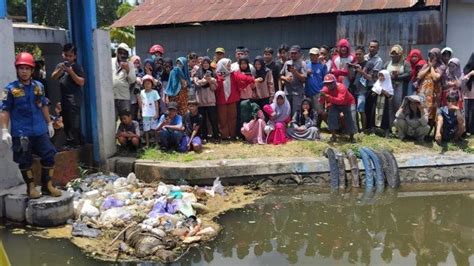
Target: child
<point>450,121</point>
<point>279,112</point>
<point>303,124</point>
<point>192,124</point>
<point>149,106</point>
<point>128,132</point>
<point>383,88</point>
<point>170,128</point>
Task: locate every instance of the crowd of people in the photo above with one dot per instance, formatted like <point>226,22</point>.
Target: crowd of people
<point>181,104</point>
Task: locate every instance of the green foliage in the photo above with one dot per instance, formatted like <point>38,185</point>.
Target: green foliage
<point>30,48</point>
<point>125,34</point>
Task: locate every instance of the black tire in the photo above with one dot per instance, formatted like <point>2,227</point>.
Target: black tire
<point>393,179</point>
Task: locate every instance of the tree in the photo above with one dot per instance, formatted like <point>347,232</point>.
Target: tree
<point>125,34</point>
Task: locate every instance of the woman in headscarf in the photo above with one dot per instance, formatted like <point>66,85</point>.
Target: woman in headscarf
<point>453,82</point>
<point>165,76</point>
<point>446,55</point>
<point>279,112</point>
<point>430,80</point>
<point>340,66</point>
<point>468,94</point>
<point>384,89</point>
<point>264,86</point>
<point>229,85</point>
<point>178,83</point>
<point>303,124</point>
<point>206,85</point>
<point>416,61</point>
<point>253,128</point>
<point>411,119</point>
<point>399,71</point>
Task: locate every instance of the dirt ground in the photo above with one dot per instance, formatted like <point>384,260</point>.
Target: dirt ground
<point>241,150</point>
<point>100,248</point>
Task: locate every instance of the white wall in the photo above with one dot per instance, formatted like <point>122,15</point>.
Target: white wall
<point>9,173</point>
<point>104,95</point>
<point>460,28</point>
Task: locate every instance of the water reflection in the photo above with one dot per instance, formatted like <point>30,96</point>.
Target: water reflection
<point>346,229</point>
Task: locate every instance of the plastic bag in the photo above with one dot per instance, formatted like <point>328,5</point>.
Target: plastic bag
<point>131,178</point>
<point>81,229</point>
<point>114,214</point>
<point>163,189</point>
<point>111,202</point>
<point>88,210</point>
<point>217,187</point>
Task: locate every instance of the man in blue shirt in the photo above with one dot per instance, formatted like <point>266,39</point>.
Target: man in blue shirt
<point>316,72</point>
<point>170,128</point>
<point>24,105</point>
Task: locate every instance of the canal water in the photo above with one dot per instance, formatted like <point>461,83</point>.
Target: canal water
<point>303,226</point>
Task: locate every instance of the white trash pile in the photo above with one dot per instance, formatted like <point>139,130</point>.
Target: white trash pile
<point>161,212</point>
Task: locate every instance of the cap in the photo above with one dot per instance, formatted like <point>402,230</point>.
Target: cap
<point>173,105</point>
<point>295,48</point>
<point>447,49</point>
<point>329,78</point>
<point>314,51</point>
<point>148,77</point>
<point>220,50</point>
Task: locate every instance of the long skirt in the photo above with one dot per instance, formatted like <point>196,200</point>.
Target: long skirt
<point>182,100</point>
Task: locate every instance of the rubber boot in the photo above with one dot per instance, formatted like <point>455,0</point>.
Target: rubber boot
<point>30,184</point>
<point>47,187</point>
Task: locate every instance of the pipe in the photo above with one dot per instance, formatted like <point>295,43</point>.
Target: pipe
<point>333,168</point>
<point>354,169</point>
<point>29,13</point>
<point>368,168</point>
<point>393,176</point>
<point>379,175</point>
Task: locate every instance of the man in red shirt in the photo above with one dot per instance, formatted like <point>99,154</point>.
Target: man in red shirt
<point>338,101</point>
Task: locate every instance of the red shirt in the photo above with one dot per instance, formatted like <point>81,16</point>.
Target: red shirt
<point>338,96</point>
<point>238,81</point>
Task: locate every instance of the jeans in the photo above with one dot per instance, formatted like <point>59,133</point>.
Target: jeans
<point>169,139</point>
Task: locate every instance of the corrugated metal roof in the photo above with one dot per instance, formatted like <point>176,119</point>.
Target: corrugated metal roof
<point>163,12</point>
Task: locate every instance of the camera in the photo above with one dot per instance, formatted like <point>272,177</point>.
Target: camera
<point>67,64</point>
<point>166,114</point>
<point>136,90</point>
<point>122,58</point>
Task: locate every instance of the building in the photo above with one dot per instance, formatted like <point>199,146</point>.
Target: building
<point>201,26</point>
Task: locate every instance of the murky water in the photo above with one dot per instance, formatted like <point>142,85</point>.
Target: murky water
<point>301,226</point>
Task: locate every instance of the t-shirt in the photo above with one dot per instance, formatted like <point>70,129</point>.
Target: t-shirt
<point>314,83</point>
<point>134,127</point>
<point>190,121</point>
<point>71,93</point>
<point>276,69</point>
<point>360,83</point>
<point>176,121</point>
<point>149,100</point>
<point>450,122</point>
<point>296,86</point>
<point>372,67</point>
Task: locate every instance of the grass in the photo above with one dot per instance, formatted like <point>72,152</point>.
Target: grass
<point>241,150</point>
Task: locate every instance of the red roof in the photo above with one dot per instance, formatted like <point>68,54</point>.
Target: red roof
<point>163,12</point>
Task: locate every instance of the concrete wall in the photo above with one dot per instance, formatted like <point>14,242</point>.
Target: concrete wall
<point>306,31</point>
<point>9,173</point>
<point>104,95</point>
<point>460,28</point>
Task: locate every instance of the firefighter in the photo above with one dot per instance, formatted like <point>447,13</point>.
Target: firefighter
<point>24,105</point>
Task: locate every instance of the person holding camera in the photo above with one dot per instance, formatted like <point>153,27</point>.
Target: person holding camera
<point>71,80</point>
<point>123,75</point>
<point>170,128</point>
<point>293,74</point>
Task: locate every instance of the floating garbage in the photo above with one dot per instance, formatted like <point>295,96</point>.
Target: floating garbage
<point>127,217</point>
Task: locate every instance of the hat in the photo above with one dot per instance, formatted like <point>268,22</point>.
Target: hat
<point>329,78</point>
<point>295,48</point>
<point>148,77</point>
<point>173,105</point>
<point>220,50</point>
<point>314,51</point>
<point>396,49</point>
<point>447,49</point>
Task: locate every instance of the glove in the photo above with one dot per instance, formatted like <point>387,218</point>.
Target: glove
<point>6,137</point>
<point>50,129</point>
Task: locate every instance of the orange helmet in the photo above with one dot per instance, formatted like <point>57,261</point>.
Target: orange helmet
<point>157,48</point>
<point>25,58</point>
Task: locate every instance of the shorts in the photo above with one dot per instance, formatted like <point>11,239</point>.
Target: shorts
<point>361,103</point>
<point>149,123</point>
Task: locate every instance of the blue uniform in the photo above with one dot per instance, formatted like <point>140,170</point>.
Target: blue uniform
<point>24,103</point>
<point>28,126</point>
